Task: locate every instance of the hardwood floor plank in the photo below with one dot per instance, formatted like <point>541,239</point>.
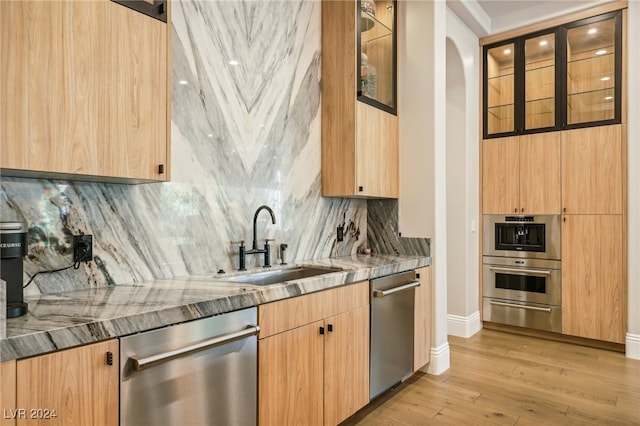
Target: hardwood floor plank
<point>601,417</point>
<point>501,378</point>
<point>555,383</point>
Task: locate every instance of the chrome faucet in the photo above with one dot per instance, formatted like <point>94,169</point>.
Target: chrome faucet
<point>254,247</point>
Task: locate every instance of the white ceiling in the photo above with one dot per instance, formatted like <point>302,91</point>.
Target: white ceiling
<point>495,16</point>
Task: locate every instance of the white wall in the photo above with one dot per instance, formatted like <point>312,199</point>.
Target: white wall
<point>456,150</point>
<point>462,178</point>
<point>422,203</point>
<point>633,139</point>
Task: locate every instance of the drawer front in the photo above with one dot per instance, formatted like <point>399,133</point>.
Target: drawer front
<point>287,314</point>
<point>520,314</point>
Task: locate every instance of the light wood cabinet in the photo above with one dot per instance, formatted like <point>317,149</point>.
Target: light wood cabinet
<point>593,293</point>
<point>360,152</point>
<point>8,393</point>
<point>422,319</point>
<point>592,170</point>
<point>500,176</point>
<point>313,357</point>
<point>290,377</point>
<point>83,91</point>
<point>77,383</point>
<point>346,365</point>
<point>521,174</point>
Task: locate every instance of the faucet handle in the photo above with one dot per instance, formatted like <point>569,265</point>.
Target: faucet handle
<point>268,240</point>
<point>283,253</point>
<point>241,242</point>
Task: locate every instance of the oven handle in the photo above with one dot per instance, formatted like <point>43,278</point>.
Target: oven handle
<point>519,271</point>
<point>140,364</point>
<point>383,293</point>
<point>513,305</point>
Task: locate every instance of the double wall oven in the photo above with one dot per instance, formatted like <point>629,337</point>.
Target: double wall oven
<point>521,271</point>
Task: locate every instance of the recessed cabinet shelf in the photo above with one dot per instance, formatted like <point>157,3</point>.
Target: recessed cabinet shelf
<point>372,29</point>
<point>377,54</point>
<point>561,78</point>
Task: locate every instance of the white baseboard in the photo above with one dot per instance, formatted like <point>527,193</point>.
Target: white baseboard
<point>440,361</point>
<point>633,346</point>
<point>464,326</point>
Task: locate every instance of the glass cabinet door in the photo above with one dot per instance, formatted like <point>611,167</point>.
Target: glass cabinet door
<point>540,81</point>
<point>592,53</point>
<point>377,52</point>
<point>500,87</point>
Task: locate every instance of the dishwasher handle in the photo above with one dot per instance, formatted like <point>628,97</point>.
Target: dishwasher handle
<point>384,293</point>
<point>140,364</point>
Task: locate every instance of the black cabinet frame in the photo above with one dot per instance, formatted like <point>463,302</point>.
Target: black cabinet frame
<point>561,92</point>
<point>392,109</point>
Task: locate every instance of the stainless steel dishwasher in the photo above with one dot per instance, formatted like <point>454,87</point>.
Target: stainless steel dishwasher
<point>201,372</point>
<point>392,316</point>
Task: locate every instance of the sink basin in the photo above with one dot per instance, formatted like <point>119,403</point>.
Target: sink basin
<point>281,275</point>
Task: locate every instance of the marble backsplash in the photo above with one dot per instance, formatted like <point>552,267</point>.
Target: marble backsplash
<point>382,231</point>
<point>245,132</point>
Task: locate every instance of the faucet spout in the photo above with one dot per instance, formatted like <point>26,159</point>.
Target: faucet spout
<point>255,220</point>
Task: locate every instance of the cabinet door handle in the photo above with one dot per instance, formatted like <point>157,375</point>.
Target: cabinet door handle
<point>516,271</point>
<point>109,358</point>
<point>385,293</point>
<point>321,330</point>
<point>513,305</point>
<point>330,328</point>
<point>515,210</point>
<point>522,210</point>
<point>157,10</point>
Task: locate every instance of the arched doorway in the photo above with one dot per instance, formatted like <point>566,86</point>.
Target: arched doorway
<point>462,302</point>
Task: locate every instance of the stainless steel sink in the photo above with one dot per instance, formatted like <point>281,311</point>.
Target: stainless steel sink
<point>281,275</point>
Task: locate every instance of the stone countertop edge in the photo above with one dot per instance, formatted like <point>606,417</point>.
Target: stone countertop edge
<point>65,320</point>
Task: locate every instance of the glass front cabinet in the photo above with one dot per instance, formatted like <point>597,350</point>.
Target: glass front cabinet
<point>377,54</point>
<point>561,78</point>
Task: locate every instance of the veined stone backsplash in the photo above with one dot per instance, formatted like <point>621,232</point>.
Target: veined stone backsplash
<point>242,136</point>
<point>382,231</point>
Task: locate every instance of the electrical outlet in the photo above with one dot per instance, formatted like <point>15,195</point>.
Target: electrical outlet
<point>82,248</point>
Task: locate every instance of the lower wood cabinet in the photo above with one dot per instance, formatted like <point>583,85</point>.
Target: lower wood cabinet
<point>70,387</point>
<point>7,392</point>
<point>346,364</point>
<point>422,319</point>
<point>313,366</point>
<point>593,291</point>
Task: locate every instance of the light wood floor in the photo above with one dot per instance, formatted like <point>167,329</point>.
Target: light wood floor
<point>501,378</point>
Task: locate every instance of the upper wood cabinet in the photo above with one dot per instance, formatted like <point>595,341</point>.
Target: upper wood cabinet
<point>83,91</point>
<point>521,174</point>
<point>561,78</point>
<point>359,127</point>
<point>79,384</point>
<point>592,178</point>
<point>313,357</point>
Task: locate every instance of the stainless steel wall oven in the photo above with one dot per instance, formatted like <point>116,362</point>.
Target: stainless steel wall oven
<point>522,272</point>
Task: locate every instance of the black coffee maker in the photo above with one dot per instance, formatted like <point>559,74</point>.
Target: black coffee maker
<point>13,247</point>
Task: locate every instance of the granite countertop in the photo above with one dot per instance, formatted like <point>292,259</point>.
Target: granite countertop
<point>63,320</point>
